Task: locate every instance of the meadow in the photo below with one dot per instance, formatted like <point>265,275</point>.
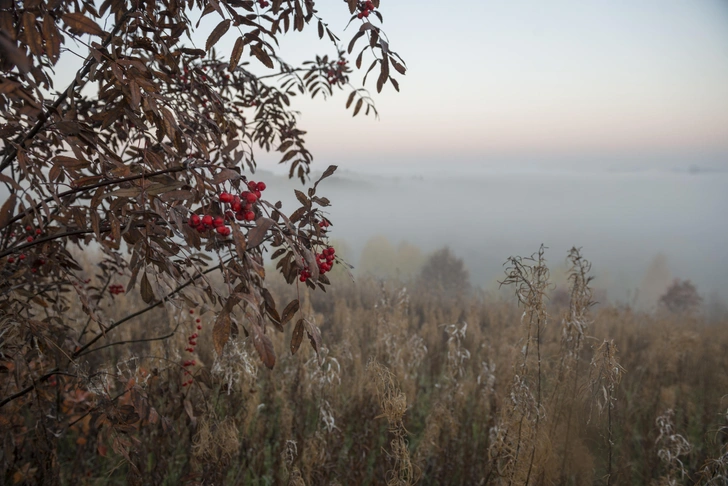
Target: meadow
<point>414,383</point>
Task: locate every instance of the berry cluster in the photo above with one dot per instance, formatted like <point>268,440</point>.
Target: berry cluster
<point>263,3</point>
<point>241,207</point>
<point>31,232</point>
<point>325,260</point>
<point>116,289</point>
<point>36,264</point>
<point>324,223</point>
<point>192,342</point>
<point>207,222</point>
<point>336,72</point>
<point>364,9</point>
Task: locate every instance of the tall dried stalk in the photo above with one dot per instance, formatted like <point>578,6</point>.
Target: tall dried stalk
<point>607,375</point>
<point>530,277</point>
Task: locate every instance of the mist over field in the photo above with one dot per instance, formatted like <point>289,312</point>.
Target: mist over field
<point>627,219</point>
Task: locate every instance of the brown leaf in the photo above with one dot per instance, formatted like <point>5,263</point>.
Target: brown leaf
<point>327,173</point>
<point>176,196</point>
<point>136,94</point>
<point>235,54</point>
<point>225,175</point>
<point>264,346</point>
<point>217,33</point>
<point>146,290</point>
<point>240,242</point>
<point>297,336</point>
<point>398,67</point>
<point>262,56</point>
<point>70,162</point>
<point>289,311</point>
<point>353,40</point>
<point>6,212</point>
<point>52,38</point>
<point>13,54</point>
<point>358,106</point>
<point>302,198</point>
<point>350,100</point>
<point>80,24</point>
<point>314,336</point>
<point>257,234</point>
<point>221,331</point>
<point>32,36</point>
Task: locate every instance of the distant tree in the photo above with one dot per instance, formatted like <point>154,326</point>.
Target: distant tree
<point>681,297</point>
<point>445,272</point>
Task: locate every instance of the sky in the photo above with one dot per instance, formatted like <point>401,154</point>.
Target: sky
<point>531,81</point>
<point>525,83</point>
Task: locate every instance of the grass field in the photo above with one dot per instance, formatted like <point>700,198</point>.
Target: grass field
<point>412,385</point>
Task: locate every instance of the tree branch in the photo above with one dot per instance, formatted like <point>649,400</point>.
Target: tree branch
<point>43,118</point>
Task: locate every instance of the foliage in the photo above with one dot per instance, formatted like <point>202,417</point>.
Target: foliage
<point>681,297</point>
<point>143,163</point>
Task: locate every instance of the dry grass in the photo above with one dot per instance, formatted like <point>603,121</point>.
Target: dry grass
<point>410,388</point>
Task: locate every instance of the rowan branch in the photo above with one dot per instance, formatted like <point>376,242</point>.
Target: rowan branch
<point>45,115</point>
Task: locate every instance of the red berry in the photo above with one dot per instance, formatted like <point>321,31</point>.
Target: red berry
<point>218,222</point>
<point>192,311</point>
<point>249,216</point>
<point>257,194</point>
<point>11,260</point>
<point>207,220</point>
<point>365,13</point>
<point>199,327</point>
<point>240,216</point>
<point>252,186</point>
<point>236,206</point>
<point>250,197</point>
<point>229,214</point>
<point>201,228</point>
<point>359,16</point>
<point>30,239</point>
<point>226,197</point>
<point>38,231</point>
<point>197,321</point>
<point>223,230</point>
<point>29,228</point>
<point>261,186</point>
<point>194,221</point>
<point>34,270</point>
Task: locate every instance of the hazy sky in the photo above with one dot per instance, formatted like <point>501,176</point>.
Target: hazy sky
<point>497,79</point>
<point>527,82</point>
